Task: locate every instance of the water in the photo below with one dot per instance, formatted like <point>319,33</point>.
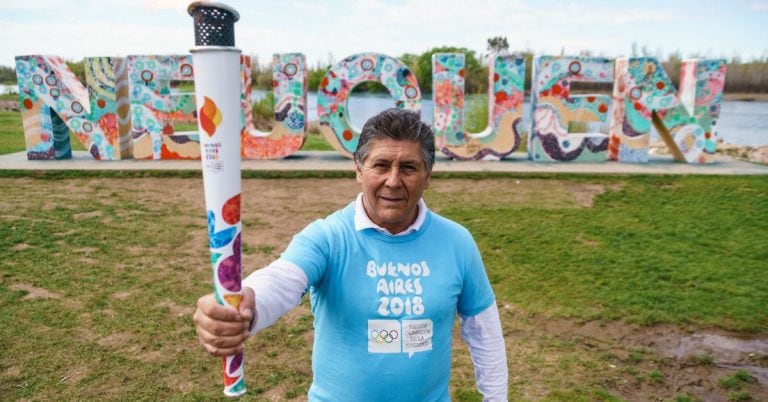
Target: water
<point>741,123</point>
<point>9,89</point>
<point>744,123</point>
<point>726,352</point>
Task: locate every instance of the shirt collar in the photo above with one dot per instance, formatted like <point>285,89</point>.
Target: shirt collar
<point>362,221</point>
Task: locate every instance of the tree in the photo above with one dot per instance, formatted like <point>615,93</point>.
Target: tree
<point>263,77</point>
<point>475,75</point>
<point>7,75</point>
<point>78,68</point>
<point>498,44</point>
<point>316,75</point>
<point>412,61</point>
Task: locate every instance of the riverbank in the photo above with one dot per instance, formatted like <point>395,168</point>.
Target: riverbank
<point>745,97</point>
<point>9,105</point>
<point>741,152</point>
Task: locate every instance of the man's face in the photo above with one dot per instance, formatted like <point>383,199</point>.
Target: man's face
<point>393,177</point>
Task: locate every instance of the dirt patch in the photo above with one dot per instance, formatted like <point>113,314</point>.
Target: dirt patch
<point>514,192</point>
<point>34,292</point>
<point>177,310</point>
<point>121,295</point>
<point>88,261</point>
<point>278,392</point>
<point>12,372</point>
<point>85,215</point>
<point>585,240</point>
<point>585,193</point>
<point>689,362</point>
<point>20,247</point>
<point>136,250</point>
<point>73,375</point>
<point>116,339</point>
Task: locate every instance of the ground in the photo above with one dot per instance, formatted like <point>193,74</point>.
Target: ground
<point>157,257</point>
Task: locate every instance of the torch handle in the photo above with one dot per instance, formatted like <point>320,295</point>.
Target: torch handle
<point>217,95</point>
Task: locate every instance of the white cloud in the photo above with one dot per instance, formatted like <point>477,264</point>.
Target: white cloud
<point>175,5</point>
<point>94,39</point>
<point>759,6</point>
<point>344,27</point>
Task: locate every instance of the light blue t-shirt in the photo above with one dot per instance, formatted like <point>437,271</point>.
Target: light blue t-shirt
<point>384,306</point>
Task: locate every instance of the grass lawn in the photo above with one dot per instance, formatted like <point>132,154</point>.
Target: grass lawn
<point>11,132</point>
<point>99,276</point>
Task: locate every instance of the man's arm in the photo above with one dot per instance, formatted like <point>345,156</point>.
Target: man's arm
<point>483,334</point>
<point>278,288</point>
<point>267,294</point>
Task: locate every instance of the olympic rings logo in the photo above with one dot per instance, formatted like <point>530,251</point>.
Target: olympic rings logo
<point>384,336</point>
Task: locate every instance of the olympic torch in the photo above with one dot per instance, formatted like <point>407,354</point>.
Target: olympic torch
<point>217,91</point>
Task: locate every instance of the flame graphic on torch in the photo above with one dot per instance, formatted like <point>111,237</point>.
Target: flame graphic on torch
<point>210,116</point>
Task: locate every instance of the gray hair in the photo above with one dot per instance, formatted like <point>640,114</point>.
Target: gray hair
<point>399,125</point>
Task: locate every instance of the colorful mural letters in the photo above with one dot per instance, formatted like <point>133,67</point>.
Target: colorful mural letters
<point>289,83</point>
<point>128,108</point>
<point>643,94</point>
<point>54,103</point>
<point>563,125</point>
<point>154,108</point>
<point>506,78</point>
<point>334,90</point>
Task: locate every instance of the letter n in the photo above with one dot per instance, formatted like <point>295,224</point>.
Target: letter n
<point>54,103</point>
<point>643,94</point>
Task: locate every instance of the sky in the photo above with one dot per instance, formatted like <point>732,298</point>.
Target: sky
<point>329,30</point>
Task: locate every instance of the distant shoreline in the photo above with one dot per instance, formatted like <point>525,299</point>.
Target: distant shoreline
<point>745,97</point>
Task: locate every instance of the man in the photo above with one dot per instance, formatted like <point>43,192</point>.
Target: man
<point>386,278</point>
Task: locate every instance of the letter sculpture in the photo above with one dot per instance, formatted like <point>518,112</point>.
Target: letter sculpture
<point>289,83</point>
<point>55,103</point>
<point>501,137</point>
<point>154,108</point>
<point>334,90</point>
<point>556,113</point>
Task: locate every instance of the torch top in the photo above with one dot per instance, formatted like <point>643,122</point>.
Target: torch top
<point>214,23</point>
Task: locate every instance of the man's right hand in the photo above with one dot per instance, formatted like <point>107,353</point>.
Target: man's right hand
<point>222,330</point>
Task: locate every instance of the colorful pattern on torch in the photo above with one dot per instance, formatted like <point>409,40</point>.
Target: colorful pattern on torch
<point>289,83</point>
<point>505,100</point>
<point>154,107</point>
<point>643,94</point>
<point>334,90</point>
<point>226,260</point>
<point>565,127</point>
<point>54,103</point>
